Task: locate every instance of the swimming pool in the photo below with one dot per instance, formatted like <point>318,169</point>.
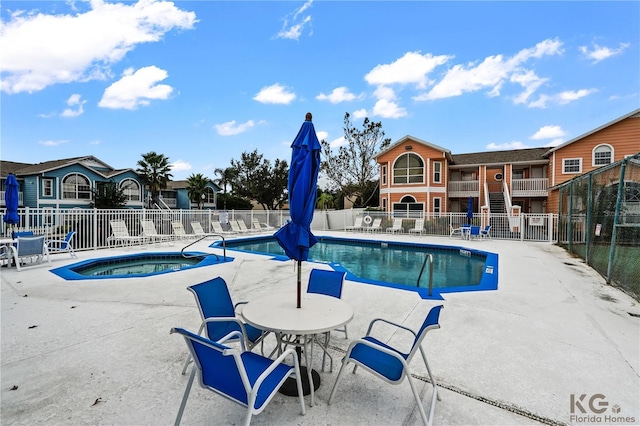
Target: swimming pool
<point>136,265</point>
<point>393,264</point>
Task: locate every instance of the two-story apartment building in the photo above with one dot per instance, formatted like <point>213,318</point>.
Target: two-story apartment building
<point>421,177</point>
<point>69,183</point>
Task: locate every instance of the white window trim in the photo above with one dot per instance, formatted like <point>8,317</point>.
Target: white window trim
<point>424,170</point>
<point>384,174</point>
<point>564,160</point>
<point>439,171</point>
<point>50,180</point>
<point>593,155</point>
<point>83,200</point>
<point>437,200</point>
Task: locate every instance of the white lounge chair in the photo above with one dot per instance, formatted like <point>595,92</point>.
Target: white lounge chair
<point>397,226</point>
<point>120,232</point>
<point>217,228</point>
<point>260,227</point>
<point>454,231</point>
<point>179,232</point>
<point>376,226</point>
<point>198,231</point>
<point>149,231</point>
<point>357,225</point>
<point>418,228</point>
<point>242,226</point>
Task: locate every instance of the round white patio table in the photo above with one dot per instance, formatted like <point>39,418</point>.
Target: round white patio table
<point>318,314</point>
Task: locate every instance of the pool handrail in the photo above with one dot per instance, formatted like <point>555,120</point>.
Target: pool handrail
<point>224,246</point>
<point>429,258</point>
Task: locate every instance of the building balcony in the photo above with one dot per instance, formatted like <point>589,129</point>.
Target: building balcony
<point>461,189</point>
<point>538,187</point>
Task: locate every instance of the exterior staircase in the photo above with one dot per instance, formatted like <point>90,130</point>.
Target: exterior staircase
<point>496,202</point>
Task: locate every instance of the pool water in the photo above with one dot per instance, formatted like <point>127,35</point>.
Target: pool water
<point>394,263</point>
<point>136,265</point>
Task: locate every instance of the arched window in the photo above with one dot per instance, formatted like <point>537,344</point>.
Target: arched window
<point>76,186</point>
<point>406,205</point>
<point>408,168</point>
<point>131,189</point>
<point>209,196</point>
<point>602,154</point>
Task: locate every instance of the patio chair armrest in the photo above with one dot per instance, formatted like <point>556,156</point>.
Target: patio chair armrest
<point>377,347</point>
<point>375,320</point>
<point>233,335</point>
<point>243,341</point>
<point>276,362</point>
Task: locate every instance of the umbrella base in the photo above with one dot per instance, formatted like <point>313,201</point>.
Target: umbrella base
<point>290,388</point>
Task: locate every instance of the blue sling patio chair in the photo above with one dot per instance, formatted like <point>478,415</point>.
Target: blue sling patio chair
<point>62,246</point>
<point>31,248</point>
<point>391,364</point>
<point>246,378</point>
<point>218,314</point>
<point>328,283</point>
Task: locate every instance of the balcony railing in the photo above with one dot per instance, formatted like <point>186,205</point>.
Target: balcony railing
<point>2,203</point>
<point>466,188</point>
<point>530,187</point>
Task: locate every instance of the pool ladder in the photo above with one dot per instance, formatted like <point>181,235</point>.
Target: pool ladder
<point>428,258</point>
<point>224,247</point>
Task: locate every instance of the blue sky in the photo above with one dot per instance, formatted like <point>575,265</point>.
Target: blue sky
<point>203,81</point>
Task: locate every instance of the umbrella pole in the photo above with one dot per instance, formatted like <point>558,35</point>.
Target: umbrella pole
<point>299,283</point>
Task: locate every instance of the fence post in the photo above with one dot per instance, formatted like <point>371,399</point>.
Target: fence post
<point>521,217</point>
<point>550,227</point>
<point>616,218</point>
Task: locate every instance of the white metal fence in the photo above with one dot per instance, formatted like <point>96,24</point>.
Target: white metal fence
<point>93,229</point>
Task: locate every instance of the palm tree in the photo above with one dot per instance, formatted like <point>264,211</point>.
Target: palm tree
<point>225,177</point>
<point>154,170</point>
<point>325,201</point>
<point>196,187</point>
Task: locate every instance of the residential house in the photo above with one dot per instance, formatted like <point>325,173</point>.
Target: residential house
<point>176,196</point>
<point>420,178</point>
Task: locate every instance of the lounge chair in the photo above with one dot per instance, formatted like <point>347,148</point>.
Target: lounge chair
<point>391,364</point>
<point>243,226</point>
<point>218,314</point>
<point>217,228</point>
<point>397,226</point>
<point>376,226</point>
<point>235,227</point>
<point>149,231</point>
<point>33,248</point>
<point>455,231</point>
<point>248,379</point>
<point>198,231</point>
<point>260,227</point>
<point>62,246</point>
<point>357,225</point>
<point>119,232</point>
<point>418,227</point>
<point>484,234</point>
<point>179,231</point>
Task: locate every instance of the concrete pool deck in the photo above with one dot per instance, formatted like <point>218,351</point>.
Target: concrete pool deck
<point>100,352</point>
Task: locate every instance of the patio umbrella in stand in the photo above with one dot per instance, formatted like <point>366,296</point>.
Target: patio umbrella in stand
<point>11,200</point>
<point>470,210</point>
<point>296,237</point>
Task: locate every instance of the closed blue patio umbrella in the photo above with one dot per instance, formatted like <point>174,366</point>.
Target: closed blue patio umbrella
<point>470,209</point>
<point>296,237</point>
<point>11,189</point>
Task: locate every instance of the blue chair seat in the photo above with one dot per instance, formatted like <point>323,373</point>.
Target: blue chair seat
<point>384,364</point>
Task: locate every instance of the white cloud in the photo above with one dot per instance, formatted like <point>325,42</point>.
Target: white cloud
<point>74,100</point>
<point>555,142</point>
<point>322,135</point>
<point>599,53</point>
<point>180,166</point>
<point>336,143</point>
<point>561,98</point>
<point>95,142</point>
<point>339,94</point>
<point>136,88</point>
<point>275,94</point>
<point>361,113</point>
<point>412,68</point>
<point>40,50</point>
<point>53,143</point>
<point>548,132</point>
<point>492,73</point>
<point>388,109</point>
<point>507,146</point>
<point>231,128</point>
<point>293,30</point>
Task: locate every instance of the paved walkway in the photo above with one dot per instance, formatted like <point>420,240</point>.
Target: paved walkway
<point>99,352</point>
